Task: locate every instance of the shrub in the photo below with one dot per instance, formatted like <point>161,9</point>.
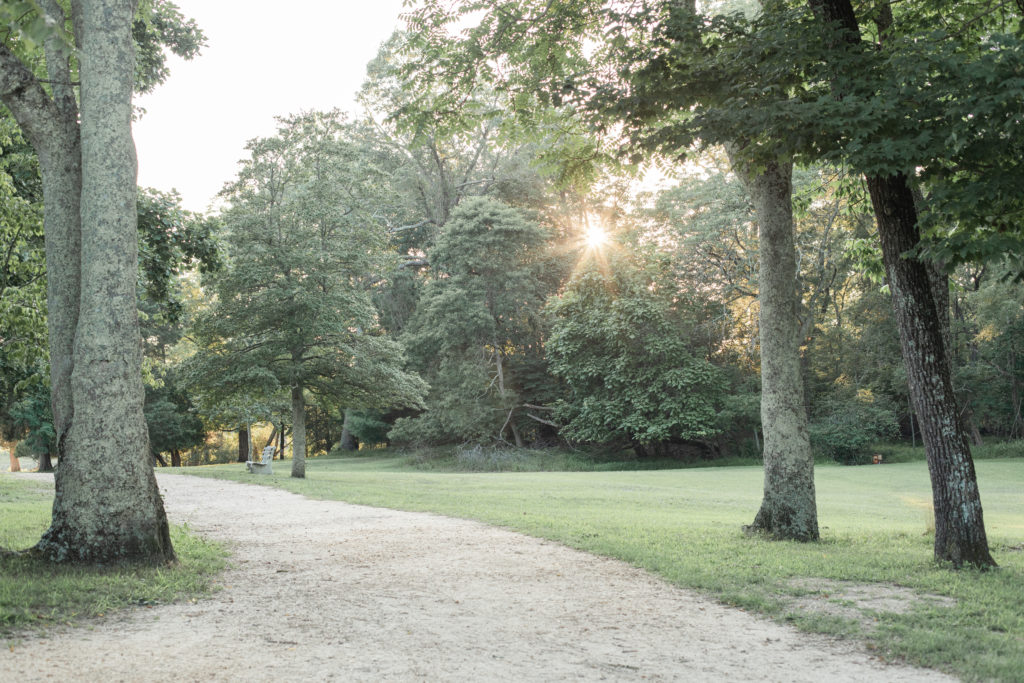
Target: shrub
<point>844,429</point>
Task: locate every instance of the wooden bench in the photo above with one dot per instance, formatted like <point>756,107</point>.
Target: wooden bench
<point>266,463</point>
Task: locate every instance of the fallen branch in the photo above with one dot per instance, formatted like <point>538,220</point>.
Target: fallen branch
<point>543,421</point>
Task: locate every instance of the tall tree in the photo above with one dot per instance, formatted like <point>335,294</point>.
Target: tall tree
<point>87,162</point>
<point>627,342</point>
<point>478,324</point>
<point>788,507</point>
<point>959,525</point>
<point>293,311</point>
<point>658,74</point>
<point>107,441</point>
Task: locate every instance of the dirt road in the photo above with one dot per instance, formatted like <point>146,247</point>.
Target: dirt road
<point>329,591</point>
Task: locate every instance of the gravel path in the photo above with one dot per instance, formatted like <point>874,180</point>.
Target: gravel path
<point>324,590</point>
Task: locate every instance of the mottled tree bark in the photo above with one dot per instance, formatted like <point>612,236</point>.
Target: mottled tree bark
<point>107,506</point>
<point>959,524</point>
<point>788,509</point>
<point>298,433</point>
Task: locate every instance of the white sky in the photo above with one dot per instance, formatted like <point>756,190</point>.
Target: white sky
<point>263,59</point>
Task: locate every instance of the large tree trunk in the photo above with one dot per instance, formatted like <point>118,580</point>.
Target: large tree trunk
<point>298,433</point>
<point>243,443</point>
<point>45,462</point>
<point>107,506</point>
<point>348,442</point>
<point>788,509</point>
<point>959,525</point>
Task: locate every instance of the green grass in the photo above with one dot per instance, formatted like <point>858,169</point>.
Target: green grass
<point>684,525</point>
<point>36,594</point>
<point>990,450</point>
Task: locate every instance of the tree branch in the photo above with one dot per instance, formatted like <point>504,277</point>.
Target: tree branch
<point>543,421</point>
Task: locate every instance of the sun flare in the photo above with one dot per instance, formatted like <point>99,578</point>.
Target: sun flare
<point>595,237</point>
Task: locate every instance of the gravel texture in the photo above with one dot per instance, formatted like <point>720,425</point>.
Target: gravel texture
<point>325,591</point>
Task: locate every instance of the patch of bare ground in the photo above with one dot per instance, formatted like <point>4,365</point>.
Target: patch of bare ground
<point>323,591</point>
<point>859,602</point>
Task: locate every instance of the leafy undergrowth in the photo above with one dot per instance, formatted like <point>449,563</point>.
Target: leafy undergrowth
<point>684,524</point>
<point>507,459</point>
<point>35,593</point>
<point>990,450</point>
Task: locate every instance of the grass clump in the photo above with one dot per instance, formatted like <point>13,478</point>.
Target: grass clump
<point>35,593</point>
<point>684,524</point>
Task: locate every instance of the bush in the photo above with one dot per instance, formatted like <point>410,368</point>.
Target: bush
<point>844,429</point>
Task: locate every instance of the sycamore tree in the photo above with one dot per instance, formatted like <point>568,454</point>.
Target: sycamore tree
<point>293,311</point>
<point>67,76</point>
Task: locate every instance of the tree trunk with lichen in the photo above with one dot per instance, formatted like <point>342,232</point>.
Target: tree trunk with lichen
<point>788,509</point>
<point>960,536</point>
<point>107,507</point>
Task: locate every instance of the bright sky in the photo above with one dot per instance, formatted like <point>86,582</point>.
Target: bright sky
<point>263,59</point>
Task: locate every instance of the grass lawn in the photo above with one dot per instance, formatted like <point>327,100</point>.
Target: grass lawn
<point>684,524</point>
<point>35,593</point>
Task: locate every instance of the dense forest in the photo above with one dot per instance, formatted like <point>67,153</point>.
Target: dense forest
<point>662,227</point>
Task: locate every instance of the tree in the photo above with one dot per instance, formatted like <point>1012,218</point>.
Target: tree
<point>625,340</point>
<point>107,439</point>
<point>172,422</point>
<point>47,110</point>
<point>293,310</point>
<point>87,163</point>
<point>655,73</point>
<point>959,526</point>
<point>478,324</point>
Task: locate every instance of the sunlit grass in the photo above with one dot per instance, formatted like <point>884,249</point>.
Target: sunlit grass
<point>685,526</point>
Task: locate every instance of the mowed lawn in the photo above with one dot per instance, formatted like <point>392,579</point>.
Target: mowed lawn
<point>685,525</point>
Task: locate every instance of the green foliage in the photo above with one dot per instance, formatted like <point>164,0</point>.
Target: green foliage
<point>172,241</point>
<point>173,422</point>
<point>22,259</point>
<point>369,428</point>
<point>845,429</point>
<point>159,28</point>
<point>27,28</point>
<point>620,342</point>
<point>293,304</point>
<point>31,417</point>
<point>478,323</point>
